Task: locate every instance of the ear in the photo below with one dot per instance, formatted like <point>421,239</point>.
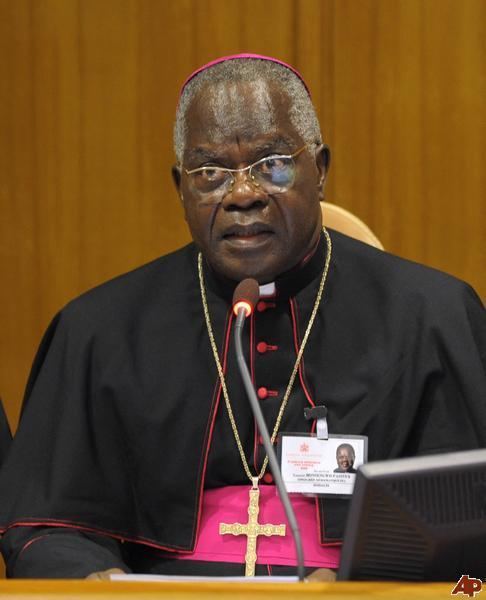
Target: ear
<point>323,162</point>
<point>176,178</point>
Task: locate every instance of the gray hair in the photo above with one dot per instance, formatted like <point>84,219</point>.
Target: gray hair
<point>302,113</point>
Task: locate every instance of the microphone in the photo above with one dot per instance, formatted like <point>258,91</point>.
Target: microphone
<point>245,297</point>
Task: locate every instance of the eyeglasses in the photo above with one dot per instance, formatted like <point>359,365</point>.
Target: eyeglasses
<point>274,173</point>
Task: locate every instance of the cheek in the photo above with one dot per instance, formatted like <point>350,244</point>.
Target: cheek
<point>191,217</point>
<point>302,216</point>
<point>195,225</point>
<point>199,221</point>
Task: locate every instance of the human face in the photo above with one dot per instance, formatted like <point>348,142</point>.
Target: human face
<point>344,459</point>
<point>249,232</point>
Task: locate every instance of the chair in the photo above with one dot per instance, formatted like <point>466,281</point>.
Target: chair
<point>342,220</point>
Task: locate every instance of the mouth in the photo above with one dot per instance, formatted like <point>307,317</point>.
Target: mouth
<point>247,235</point>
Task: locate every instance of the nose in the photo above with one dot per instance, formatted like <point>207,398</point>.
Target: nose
<point>244,193</point>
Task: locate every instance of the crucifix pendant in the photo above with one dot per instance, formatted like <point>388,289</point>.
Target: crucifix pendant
<point>252,529</point>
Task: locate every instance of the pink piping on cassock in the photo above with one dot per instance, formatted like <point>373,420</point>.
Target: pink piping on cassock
<point>229,321</point>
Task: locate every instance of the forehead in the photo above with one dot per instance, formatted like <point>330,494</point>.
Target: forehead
<point>242,111</point>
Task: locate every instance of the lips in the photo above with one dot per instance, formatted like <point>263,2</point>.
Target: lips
<point>253,230</point>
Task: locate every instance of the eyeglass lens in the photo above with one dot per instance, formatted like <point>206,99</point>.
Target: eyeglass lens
<point>273,174</point>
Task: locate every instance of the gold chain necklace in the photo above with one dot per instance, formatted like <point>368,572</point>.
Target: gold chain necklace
<point>294,371</point>
<point>252,529</point>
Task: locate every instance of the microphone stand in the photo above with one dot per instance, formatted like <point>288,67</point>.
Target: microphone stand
<point>245,375</point>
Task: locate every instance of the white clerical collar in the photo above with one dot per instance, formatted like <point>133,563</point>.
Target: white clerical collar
<point>268,289</point>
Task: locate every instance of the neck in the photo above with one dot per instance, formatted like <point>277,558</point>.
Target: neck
<point>288,283</point>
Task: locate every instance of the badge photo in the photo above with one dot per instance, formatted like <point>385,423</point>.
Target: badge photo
<point>321,467</point>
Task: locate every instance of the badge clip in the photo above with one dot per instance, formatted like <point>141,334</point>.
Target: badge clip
<point>319,413</point>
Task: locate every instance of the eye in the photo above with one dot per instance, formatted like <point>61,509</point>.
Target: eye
<point>273,164</point>
<point>209,174</point>
<point>276,171</point>
<point>207,179</point>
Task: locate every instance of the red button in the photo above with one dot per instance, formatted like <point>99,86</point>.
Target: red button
<point>262,393</point>
<point>268,478</point>
<point>262,305</point>
<point>262,347</point>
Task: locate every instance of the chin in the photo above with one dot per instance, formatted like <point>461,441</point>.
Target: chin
<point>261,278</point>
<point>241,271</point>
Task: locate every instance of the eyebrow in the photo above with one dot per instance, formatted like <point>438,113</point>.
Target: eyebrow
<point>278,145</point>
<point>201,154</point>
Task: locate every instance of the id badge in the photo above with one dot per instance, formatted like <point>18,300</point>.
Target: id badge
<point>320,467</point>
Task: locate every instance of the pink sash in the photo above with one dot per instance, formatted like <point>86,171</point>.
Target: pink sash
<point>230,504</point>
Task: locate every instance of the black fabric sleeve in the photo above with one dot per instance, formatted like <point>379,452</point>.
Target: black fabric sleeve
<point>54,552</point>
<point>452,412</point>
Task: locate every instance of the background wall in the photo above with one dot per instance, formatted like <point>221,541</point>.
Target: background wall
<point>87,96</point>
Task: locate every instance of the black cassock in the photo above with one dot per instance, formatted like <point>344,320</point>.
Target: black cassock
<point>124,424</point>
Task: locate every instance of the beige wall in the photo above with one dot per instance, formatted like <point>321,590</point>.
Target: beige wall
<point>87,96</point>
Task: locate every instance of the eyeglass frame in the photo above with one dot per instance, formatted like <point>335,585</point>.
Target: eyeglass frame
<point>243,169</point>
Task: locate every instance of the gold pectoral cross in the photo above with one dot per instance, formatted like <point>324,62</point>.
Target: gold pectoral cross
<point>252,529</point>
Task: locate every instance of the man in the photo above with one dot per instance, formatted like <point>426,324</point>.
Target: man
<point>345,458</point>
<point>131,450</point>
